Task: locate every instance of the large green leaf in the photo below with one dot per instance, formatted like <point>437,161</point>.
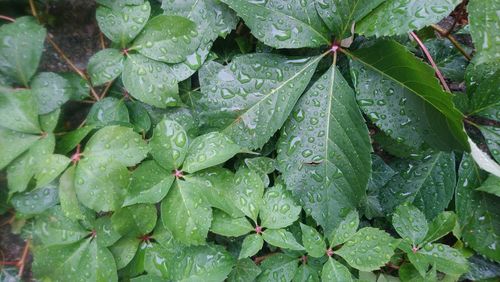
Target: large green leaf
<point>281,238</point>
<point>108,111</point>
<point>334,271</point>
<point>324,150</point>
<point>478,212</point>
<point>51,91</point>
<point>19,111</point>
<point>410,223</point>
<point>122,24</point>
<point>149,184</point>
<point>492,136</point>
<point>168,39</point>
<point>278,209</point>
<point>150,81</point>
<point>21,49</point>
<point>483,21</point>
<point>281,23</point>
<point>105,66</point>
<point>278,267</point>
<point>250,98</point>
<point>13,144</point>
<point>394,17</point>
<point>340,15</point>
<point>169,144</point>
<point>435,107</point>
<point>428,183</point>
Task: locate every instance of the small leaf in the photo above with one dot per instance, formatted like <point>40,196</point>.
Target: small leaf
<point>122,24</point>
<point>150,81</point>
<point>169,144</point>
<point>279,267</point>
<point>410,223</point>
<point>124,251</point>
<point>19,111</point>
<point>108,111</point>
<point>53,228</point>
<point>139,117</point>
<point>22,49</point>
<point>209,150</point>
<point>244,270</point>
<point>313,242</point>
<point>306,273</point>
<point>482,21</point>
<point>106,235</point>
<point>13,144</point>
<point>36,201</point>
<point>67,195</point>
<point>51,91</point>
<point>48,122</point>
<point>47,169</point>
<point>104,66</point>
<point>492,136</point>
<point>345,230</point>
<point>149,184</point>
<point>368,249</point>
<point>440,226</point>
<point>251,245</point>
<point>278,208</point>
<point>263,166</point>
<point>491,185</point>
<point>69,141</point>
<point>335,271</point>
<point>281,238</point>
<point>279,25</point>
<point>444,258</point>
<point>135,220</point>
<point>168,39</point>
<point>223,224</point>
<point>247,192</point>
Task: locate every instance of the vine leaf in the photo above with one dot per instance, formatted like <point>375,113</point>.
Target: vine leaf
<point>149,184</point>
<point>251,245</point>
<point>335,271</point>
<point>169,144</point>
<point>313,241</point>
<point>281,238</point>
<point>410,223</point>
<point>278,208</point>
<point>19,111</point>
<point>483,19</point>
<point>105,65</point>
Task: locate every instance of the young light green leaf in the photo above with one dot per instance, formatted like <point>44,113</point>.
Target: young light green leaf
<point>368,249</point>
<point>444,258</point>
<point>394,17</point>
<point>122,24</point>
<point>209,150</point>
<point>108,111</point>
<point>281,238</point>
<point>346,228</point>
<point>136,220</point>
<point>149,184</point>
<point>19,111</point>
<point>325,147</point>
<point>186,214</point>
<point>169,144</point>
<point>387,57</point>
<point>410,223</point>
<point>278,267</point>
<point>13,144</point>
<point>22,49</point>
<point>313,242</point>
<point>334,271</point>
<point>491,185</point>
<point>248,105</point>
<point>247,192</point>
<point>251,245</point>
<point>492,136</point>
<point>440,226</point>
<point>51,91</point>
<point>482,20</point>
<point>124,250</point>
<point>225,225</point>
<point>168,39</point>
<point>244,270</point>
<point>67,195</point>
<point>278,210</point>
<point>105,65</point>
<point>150,81</point>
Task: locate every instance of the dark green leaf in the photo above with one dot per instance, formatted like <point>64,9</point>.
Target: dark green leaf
<point>491,185</point>
<point>225,225</point>
<point>334,271</point>
<point>80,89</point>
<point>108,111</point>
<point>149,184</point>
<point>492,136</point>
<point>278,210</point>
<point>244,270</point>
<point>51,91</point>
<point>105,65</point>
<point>19,111</point>
<point>67,195</point>
<point>139,117</point>
<point>346,229</point>
<point>381,174</point>
<point>281,238</point>
<point>483,21</point>
<point>410,223</point>
<point>485,101</point>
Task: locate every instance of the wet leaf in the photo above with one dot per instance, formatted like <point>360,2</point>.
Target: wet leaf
<point>491,185</point>
<point>251,245</point>
<point>13,144</point>
<point>492,136</point>
<point>410,223</point>
<point>36,201</point>
<point>313,241</point>
<point>108,111</point>
<point>440,226</point>
<point>281,238</point>
<point>19,111</point>
<point>135,220</point>
<point>244,270</point>
<point>335,271</point>
<point>345,230</point>
<point>279,267</point>
<point>482,21</point>
<point>169,144</point>
<point>149,184</point>
<point>278,210</point>
<point>51,91</point>
<point>223,224</point>
<point>105,65</point>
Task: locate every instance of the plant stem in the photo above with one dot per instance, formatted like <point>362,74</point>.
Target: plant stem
<point>106,89</point>
<point>24,256</point>
<point>33,10</point>
<point>258,260</point>
<point>101,40</point>
<point>452,39</point>
<point>7,18</point>
<point>429,57</point>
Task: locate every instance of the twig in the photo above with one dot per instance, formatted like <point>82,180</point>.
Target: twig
<point>7,18</point>
<point>429,57</point>
<point>452,39</point>
<point>24,256</point>
<point>101,40</point>
<point>106,89</point>
<point>258,260</point>
<point>33,10</point>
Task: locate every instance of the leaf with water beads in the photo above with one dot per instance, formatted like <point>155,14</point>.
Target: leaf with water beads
<point>345,230</point>
<point>247,192</point>
<point>444,258</point>
<point>334,271</point>
<point>278,210</point>
<point>442,224</point>
<point>308,273</point>
<point>135,220</point>
<point>105,65</point>
<point>13,144</point>
<point>491,185</point>
<point>51,91</point>
<point>35,201</point>
<point>410,223</point>
<point>278,267</point>
<point>19,111</point>
<point>49,168</point>
<point>67,195</point>
<point>313,242</point>
<point>485,101</point>
<point>244,270</point>
<point>282,239</point>
<point>483,21</point>
<point>492,136</point>
<point>251,245</point>
<point>169,144</point>
<point>225,225</point>
<point>124,250</point>
<point>108,111</point>
<point>53,228</point>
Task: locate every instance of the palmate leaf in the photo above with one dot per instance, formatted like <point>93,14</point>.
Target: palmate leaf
<point>324,150</point>
<point>250,99</point>
<point>483,21</point>
<point>281,23</point>
<point>441,120</point>
<point>394,17</point>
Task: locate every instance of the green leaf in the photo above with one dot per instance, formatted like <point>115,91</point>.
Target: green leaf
<point>136,220</point>
<point>149,184</point>
<point>395,17</point>
<point>69,141</point>
<point>251,245</point>
<point>106,235</point>
<point>53,228</point>
<point>263,166</point>
<point>448,59</point>
<point>49,168</point>
<point>35,201</point>
<point>478,212</point>
<point>150,81</point>
<point>325,147</point>
<point>485,101</point>
<point>335,271</point>
<point>368,249</point>
<point>346,229</point>
<point>108,111</point>
<point>444,258</point>
<point>440,226</point>
<point>279,267</point>
<point>168,39</point>
<point>225,225</point>
<point>80,89</point>
<point>186,214</point>
<point>410,223</point>
<point>492,136</point>
<point>48,122</point>
<point>247,192</point>
<point>248,105</point>
<point>60,263</point>
<point>51,91</point>
<point>283,24</point>
<point>427,183</point>
<point>313,242</point>
<point>306,273</point>
<point>209,150</point>
<point>67,195</point>
<point>118,4</point>
<point>491,185</point>
<point>21,49</point>
<point>169,144</point>
<point>244,270</point>
<point>381,174</point>
<point>281,238</point>
<point>340,15</point>
<point>122,24</point>
<point>19,111</point>
<point>443,120</point>
<point>278,210</point>
<point>124,251</point>
<point>13,144</point>
<point>139,117</point>
<point>105,65</point>
<point>482,20</point>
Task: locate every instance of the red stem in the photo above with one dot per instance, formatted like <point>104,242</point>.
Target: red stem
<point>429,58</point>
<point>7,18</point>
